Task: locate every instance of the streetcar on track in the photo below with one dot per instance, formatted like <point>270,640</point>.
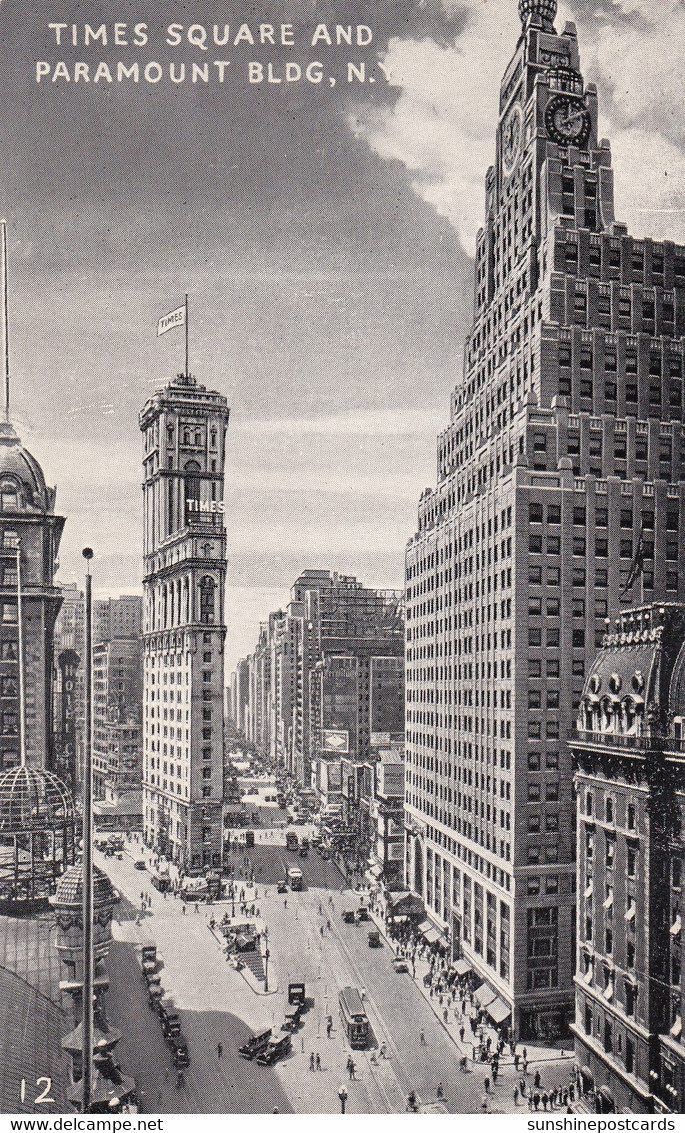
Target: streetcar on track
<point>354,1018</point>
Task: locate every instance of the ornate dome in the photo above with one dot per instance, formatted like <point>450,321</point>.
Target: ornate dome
<point>21,469</point>
<point>32,799</point>
<point>69,889</point>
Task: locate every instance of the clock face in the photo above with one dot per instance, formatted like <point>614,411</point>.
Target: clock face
<point>567,120</point>
<point>512,131</point>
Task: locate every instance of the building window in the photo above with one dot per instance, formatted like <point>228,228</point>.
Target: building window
<point>207,600</point>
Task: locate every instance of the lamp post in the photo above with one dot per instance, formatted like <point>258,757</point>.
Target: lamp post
<point>266,960</point>
<point>87,859</point>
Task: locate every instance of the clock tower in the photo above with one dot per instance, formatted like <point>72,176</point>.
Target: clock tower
<point>560,502</point>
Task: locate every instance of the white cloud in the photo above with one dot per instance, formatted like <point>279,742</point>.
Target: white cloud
<point>442,126</point>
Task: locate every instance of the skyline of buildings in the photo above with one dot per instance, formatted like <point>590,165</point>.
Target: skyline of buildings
<point>451,726</point>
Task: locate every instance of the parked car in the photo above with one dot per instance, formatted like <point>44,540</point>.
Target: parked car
<point>400,964</point>
<point>179,1049</point>
<point>282,887</point>
<point>363,914</point>
<point>374,939</point>
<point>348,916</point>
<point>275,1050</point>
<point>255,1045</point>
<point>139,864</point>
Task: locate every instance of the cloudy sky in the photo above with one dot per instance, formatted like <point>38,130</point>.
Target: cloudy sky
<point>323,230</point>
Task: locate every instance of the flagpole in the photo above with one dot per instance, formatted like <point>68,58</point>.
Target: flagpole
<point>186,320</point>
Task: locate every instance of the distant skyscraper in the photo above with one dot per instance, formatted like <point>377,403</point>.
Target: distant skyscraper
<point>116,618</point>
<point>184,428</point>
<point>560,498</point>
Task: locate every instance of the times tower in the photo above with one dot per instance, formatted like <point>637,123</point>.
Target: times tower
<point>559,503</point>
<point>184,430</point>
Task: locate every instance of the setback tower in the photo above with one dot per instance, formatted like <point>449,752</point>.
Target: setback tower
<point>560,499</point>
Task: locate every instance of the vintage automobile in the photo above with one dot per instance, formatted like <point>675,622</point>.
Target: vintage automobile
<point>400,964</point>
<point>293,1017</point>
<point>296,993</point>
<point>171,1025</point>
<point>282,887</point>
<point>363,914</point>
<point>155,992</point>
<point>179,1049</point>
<point>255,1045</point>
<point>374,939</point>
<point>140,864</point>
<point>275,1050</point>
<point>148,959</point>
<point>349,916</point>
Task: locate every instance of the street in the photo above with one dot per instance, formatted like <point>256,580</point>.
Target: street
<point>307,939</point>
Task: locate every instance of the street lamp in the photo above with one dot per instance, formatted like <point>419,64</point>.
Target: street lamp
<point>87,859</point>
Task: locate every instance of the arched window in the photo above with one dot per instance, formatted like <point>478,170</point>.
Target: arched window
<point>207,611</point>
<point>9,500</point>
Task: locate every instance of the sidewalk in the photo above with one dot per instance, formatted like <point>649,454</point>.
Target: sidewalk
<point>455,1020</point>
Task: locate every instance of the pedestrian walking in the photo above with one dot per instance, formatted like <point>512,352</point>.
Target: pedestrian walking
<point>329,1026</point>
<point>422,1038</point>
<point>219,1049</point>
<point>461,1033</point>
<point>318,1061</point>
<point>184,909</point>
<point>486,1085</point>
<point>516,1095</point>
<point>536,1080</point>
<point>311,1061</point>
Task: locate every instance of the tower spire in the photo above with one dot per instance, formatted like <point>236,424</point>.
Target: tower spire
<point>539,13</point>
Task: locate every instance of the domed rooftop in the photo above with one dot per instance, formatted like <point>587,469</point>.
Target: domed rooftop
<point>23,470</point>
<point>69,889</point>
<point>33,799</point>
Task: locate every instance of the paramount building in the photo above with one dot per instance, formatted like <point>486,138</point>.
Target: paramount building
<point>559,502</point>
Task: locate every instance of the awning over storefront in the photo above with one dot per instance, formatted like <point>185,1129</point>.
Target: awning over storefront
<point>431,935</point>
<point>498,1010</point>
<point>424,927</point>
<point>484,995</point>
<point>462,967</point>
